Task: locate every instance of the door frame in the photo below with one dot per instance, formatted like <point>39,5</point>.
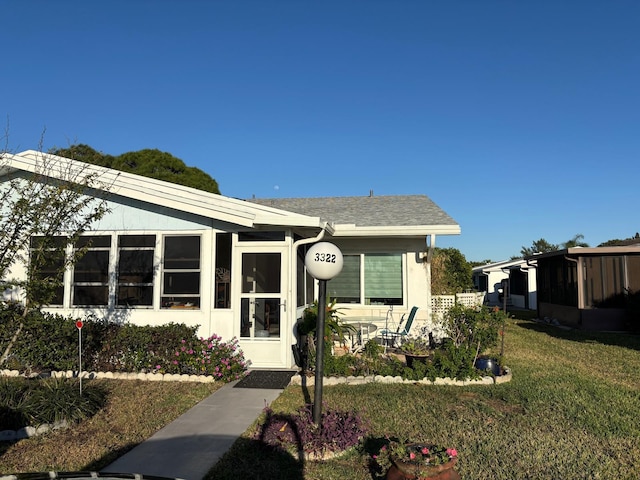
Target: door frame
<point>267,352</point>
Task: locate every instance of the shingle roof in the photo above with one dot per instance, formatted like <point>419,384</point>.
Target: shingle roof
<point>366,211</point>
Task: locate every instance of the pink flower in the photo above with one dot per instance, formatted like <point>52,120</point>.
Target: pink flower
<point>412,456</point>
<point>452,452</point>
<point>424,451</point>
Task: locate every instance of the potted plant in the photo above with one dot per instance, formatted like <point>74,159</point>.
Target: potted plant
<point>417,461</point>
<point>416,349</point>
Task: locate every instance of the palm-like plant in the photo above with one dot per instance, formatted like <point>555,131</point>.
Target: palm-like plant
<point>576,241</point>
<point>334,326</point>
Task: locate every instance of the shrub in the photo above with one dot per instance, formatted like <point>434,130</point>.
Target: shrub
<point>474,327</point>
<point>211,356</point>
<point>34,402</point>
<point>132,348</point>
<point>336,432</point>
<point>57,399</point>
<point>12,399</point>
<point>50,342</point>
<point>44,341</point>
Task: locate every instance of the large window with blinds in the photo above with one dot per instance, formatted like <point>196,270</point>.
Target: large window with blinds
<point>369,279</point>
<point>345,288</point>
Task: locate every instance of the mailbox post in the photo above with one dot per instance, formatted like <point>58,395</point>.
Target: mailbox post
<point>323,261</point>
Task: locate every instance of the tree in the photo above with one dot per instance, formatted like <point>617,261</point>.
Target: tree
<point>539,246</point>
<point>617,242</point>
<point>450,272</point>
<point>576,241</point>
<point>150,163</point>
<point>37,209</point>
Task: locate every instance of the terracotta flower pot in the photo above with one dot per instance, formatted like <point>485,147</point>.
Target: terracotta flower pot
<point>408,471</point>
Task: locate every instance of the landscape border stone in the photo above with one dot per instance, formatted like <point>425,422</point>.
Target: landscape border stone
<point>350,380</point>
<point>154,377</point>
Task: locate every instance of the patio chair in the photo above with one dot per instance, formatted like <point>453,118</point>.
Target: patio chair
<point>393,338</point>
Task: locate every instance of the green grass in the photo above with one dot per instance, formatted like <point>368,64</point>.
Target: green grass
<point>570,412</point>
<point>134,411</point>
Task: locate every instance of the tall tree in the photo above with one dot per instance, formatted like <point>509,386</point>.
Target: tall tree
<point>538,246</point>
<point>576,241</point>
<point>36,210</point>
<point>150,163</point>
<point>633,240</point>
<point>450,272</point>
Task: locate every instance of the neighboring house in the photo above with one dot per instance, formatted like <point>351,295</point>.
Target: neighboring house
<point>168,253</point>
<point>590,288</point>
<point>516,278</point>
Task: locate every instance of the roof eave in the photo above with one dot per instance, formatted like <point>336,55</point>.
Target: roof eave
<point>394,231</point>
<point>170,195</point>
<point>288,221</point>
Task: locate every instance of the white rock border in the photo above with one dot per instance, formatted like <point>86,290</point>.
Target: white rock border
<point>157,377</point>
<point>487,380</point>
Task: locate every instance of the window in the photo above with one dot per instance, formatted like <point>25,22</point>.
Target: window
<point>482,283</point>
<point>383,279</point>
<point>135,270</point>
<point>91,271</point>
<point>49,270</point>
<point>181,272</point>
<point>223,270</point>
<point>345,288</point>
<point>370,279</point>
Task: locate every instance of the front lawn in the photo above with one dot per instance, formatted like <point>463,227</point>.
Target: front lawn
<point>570,412</point>
<point>134,411</point>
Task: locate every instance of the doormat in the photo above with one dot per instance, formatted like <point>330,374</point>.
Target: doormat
<point>270,379</point>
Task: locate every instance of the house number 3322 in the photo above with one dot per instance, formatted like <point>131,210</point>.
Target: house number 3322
<point>323,261</point>
<point>325,257</point>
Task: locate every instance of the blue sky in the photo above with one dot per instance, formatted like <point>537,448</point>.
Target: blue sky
<point>521,119</point>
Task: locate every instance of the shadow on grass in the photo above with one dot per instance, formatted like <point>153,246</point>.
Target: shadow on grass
<point>626,340</point>
<point>277,452</point>
<point>253,459</point>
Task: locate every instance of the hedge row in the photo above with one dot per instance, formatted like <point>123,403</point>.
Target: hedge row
<point>50,342</point>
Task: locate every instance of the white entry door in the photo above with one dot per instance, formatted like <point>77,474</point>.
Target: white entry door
<point>264,330</point>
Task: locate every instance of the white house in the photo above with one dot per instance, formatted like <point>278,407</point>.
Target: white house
<point>169,253</point>
<point>516,278</point>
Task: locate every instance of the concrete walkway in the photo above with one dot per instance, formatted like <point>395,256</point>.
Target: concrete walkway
<point>188,447</point>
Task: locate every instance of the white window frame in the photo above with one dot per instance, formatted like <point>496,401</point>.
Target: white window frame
<point>362,300</point>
